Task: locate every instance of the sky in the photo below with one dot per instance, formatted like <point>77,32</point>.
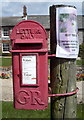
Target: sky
<point>35,7</point>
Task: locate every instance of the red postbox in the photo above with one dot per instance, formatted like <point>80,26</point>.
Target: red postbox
<point>30,65</point>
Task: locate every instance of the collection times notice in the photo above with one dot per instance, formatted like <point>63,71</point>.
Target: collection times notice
<point>29,69</point>
<point>67,32</point>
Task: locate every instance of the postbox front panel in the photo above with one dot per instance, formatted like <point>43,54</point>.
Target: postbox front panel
<point>30,65</point>
<point>30,80</point>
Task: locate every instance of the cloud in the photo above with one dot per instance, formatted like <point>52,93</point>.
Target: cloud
<point>11,8</point>
<point>16,8</point>
<point>16,14</point>
<point>78,5</point>
<point>42,1</point>
<point>33,8</point>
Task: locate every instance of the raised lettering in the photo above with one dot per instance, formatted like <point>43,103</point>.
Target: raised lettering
<point>32,97</point>
<point>28,33</point>
<point>23,97</point>
<point>36,98</point>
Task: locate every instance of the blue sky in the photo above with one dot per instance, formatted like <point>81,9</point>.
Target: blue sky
<point>13,8</point>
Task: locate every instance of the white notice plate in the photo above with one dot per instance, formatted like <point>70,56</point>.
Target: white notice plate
<point>29,69</point>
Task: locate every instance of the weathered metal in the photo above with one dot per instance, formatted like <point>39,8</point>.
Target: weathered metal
<point>30,65</point>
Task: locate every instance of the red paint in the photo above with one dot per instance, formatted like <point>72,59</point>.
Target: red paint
<point>29,38</point>
<point>64,94</point>
<point>53,55</point>
<point>19,51</point>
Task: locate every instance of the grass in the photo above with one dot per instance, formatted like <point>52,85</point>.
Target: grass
<point>8,111</point>
<point>80,111</point>
<point>80,62</point>
<point>5,62</point>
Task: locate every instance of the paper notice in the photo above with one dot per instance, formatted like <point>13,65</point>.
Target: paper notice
<point>29,69</point>
<point>67,32</point>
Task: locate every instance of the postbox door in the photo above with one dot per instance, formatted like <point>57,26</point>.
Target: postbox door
<point>30,81</point>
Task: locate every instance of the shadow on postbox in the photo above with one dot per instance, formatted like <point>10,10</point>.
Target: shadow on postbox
<point>30,65</point>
